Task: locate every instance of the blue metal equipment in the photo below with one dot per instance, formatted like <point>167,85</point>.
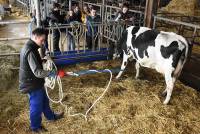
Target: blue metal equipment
<point>74,57</point>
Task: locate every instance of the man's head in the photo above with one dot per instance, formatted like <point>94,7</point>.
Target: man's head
<point>39,36</point>
<point>56,6</point>
<point>125,9</point>
<point>120,4</point>
<point>85,9</point>
<point>76,9</point>
<point>93,12</point>
<point>71,13</point>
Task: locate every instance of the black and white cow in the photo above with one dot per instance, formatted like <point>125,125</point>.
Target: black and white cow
<point>164,51</point>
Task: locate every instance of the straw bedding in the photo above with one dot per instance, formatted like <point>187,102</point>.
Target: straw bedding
<point>186,7</point>
<point>129,106</point>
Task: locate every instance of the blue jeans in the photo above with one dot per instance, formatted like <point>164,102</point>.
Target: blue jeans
<point>71,42</point>
<point>56,38</point>
<point>39,103</point>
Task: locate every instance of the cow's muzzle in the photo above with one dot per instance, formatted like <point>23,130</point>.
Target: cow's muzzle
<point>115,56</point>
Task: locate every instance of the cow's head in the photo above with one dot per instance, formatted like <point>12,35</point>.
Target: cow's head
<point>117,51</point>
<point>118,48</point>
<point>114,50</point>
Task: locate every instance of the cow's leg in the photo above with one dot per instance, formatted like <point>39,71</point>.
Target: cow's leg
<point>164,93</point>
<point>176,74</point>
<point>170,85</point>
<point>123,66</point>
<point>137,67</point>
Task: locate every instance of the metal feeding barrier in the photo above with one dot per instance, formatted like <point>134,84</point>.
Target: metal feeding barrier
<point>110,31</point>
<point>13,37</point>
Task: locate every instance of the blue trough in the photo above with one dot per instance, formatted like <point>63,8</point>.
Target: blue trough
<point>74,57</point>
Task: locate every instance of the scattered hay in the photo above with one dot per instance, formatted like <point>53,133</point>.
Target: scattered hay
<point>129,106</point>
<point>8,67</point>
<point>186,7</point>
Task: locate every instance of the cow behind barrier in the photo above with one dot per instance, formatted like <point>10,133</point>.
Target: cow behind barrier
<point>166,52</point>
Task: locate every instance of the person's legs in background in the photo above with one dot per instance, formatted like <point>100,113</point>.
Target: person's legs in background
<point>71,42</point>
<point>96,43</point>
<point>56,38</point>
<point>89,42</point>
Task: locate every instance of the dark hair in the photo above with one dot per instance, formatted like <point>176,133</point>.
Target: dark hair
<point>92,8</point>
<point>88,10</point>
<point>125,5</point>
<point>56,5</point>
<point>39,31</point>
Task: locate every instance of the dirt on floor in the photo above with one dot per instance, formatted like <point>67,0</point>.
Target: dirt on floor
<point>129,105</point>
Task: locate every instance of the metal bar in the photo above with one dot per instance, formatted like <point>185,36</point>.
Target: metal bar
<point>10,54</point>
<point>45,9</point>
<point>154,23</point>
<point>79,57</point>
<point>193,36</point>
<point>177,22</point>
<point>38,13</point>
<point>24,4</point>
<point>70,4</point>
<point>10,39</point>
<point>14,22</point>
<point>89,3</point>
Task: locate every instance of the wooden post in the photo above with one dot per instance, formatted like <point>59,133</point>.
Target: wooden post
<point>150,10</point>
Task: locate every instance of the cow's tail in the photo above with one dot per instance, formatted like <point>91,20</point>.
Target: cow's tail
<point>184,56</point>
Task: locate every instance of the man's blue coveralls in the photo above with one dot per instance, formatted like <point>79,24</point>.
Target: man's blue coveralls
<point>31,81</point>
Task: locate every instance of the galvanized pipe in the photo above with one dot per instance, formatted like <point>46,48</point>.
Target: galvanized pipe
<point>10,54</point>
<point>177,22</point>
<point>11,39</point>
<point>14,22</point>
<point>70,4</point>
<point>38,13</point>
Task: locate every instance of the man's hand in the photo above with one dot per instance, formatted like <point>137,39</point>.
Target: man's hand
<point>52,74</point>
<point>61,73</point>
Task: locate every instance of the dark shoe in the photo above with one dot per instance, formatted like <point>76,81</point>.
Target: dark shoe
<point>40,130</point>
<point>59,116</point>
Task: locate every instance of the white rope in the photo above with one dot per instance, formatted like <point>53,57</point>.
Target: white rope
<point>85,115</point>
<point>51,82</point>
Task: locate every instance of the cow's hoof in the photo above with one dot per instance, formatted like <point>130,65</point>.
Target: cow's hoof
<point>165,103</point>
<point>138,78</point>
<point>117,78</point>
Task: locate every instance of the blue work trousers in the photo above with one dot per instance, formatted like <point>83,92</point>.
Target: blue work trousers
<point>39,103</point>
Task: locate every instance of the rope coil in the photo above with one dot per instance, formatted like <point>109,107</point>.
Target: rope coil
<point>50,82</point>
